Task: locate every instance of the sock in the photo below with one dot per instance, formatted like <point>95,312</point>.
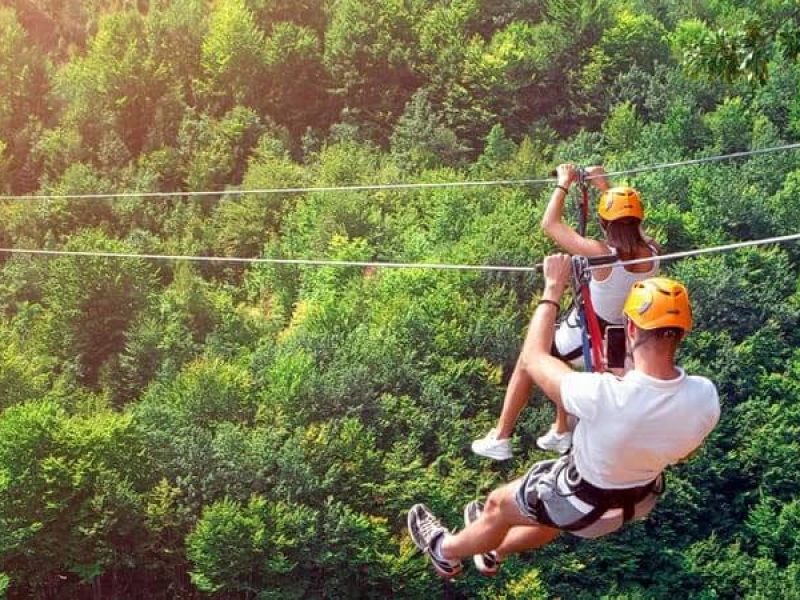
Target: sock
<point>436,547</point>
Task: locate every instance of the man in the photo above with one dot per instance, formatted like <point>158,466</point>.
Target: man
<point>629,430</point>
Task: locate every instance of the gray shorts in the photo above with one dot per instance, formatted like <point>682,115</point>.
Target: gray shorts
<point>548,488</point>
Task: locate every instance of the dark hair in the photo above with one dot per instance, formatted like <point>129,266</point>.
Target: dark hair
<point>626,236</point>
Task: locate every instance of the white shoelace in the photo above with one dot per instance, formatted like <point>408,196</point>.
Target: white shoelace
<point>429,526</point>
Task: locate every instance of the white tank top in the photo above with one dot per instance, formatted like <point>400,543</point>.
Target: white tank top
<point>608,296</point>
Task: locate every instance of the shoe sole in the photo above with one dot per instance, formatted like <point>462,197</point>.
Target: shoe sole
<point>554,448</point>
<point>479,564</point>
<point>409,517</point>
<point>491,455</point>
<point>442,573</point>
<point>549,449</point>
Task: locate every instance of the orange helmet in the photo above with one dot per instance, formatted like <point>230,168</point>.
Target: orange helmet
<point>620,202</point>
<point>659,302</point>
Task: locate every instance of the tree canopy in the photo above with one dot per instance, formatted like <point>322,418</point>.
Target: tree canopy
<point>175,430</point>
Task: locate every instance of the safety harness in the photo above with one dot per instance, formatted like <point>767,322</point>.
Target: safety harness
<point>601,500</point>
<point>591,331</point>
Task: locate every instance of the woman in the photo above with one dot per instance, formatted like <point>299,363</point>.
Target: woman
<point>621,214</point>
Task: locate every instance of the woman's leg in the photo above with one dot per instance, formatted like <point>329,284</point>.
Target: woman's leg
<point>567,343</point>
<point>519,390</point>
<point>561,424</point>
<point>520,386</point>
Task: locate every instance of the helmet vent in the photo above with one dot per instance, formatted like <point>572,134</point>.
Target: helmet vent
<point>646,306</point>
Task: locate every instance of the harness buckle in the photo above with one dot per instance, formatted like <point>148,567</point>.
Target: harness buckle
<point>581,275</point>
<point>582,176</point>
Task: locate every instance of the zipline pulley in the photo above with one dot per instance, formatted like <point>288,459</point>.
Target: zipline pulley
<point>581,276</point>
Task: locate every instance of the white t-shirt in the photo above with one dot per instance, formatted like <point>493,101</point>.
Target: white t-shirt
<point>632,428</point>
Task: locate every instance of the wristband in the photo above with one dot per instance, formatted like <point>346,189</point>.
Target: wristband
<point>552,302</point>
<point>561,187</point>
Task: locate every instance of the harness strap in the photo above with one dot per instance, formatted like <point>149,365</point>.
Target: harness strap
<point>603,500</point>
<point>586,348</point>
<point>593,327</point>
<point>586,520</point>
<point>591,332</point>
<point>583,206</point>
<point>591,357</point>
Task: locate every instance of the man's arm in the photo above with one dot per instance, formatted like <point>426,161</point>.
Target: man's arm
<point>546,370</point>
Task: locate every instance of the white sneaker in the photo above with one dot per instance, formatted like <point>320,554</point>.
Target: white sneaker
<point>560,442</point>
<point>490,447</point>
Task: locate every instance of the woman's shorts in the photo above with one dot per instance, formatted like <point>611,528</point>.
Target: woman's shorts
<point>568,340</point>
<point>548,486</point>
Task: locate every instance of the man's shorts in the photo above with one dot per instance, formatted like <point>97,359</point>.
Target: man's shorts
<point>549,486</point>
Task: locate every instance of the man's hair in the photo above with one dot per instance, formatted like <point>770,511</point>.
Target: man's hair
<point>662,334</point>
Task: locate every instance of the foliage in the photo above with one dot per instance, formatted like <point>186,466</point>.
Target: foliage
<point>177,430</point>
<point>745,43</point>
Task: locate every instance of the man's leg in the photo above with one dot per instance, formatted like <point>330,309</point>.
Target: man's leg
<point>500,515</point>
<point>525,537</point>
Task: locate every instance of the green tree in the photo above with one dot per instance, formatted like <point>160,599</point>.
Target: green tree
<point>23,103</point>
<point>297,95</point>
<point>23,373</point>
<point>369,50</point>
<point>216,150</point>
<point>743,48</point>
<point>420,140</point>
<point>243,225</point>
<point>632,40</point>
<point>70,494</point>
<point>279,553</point>
<point>232,59</point>
<point>89,306</point>
<point>730,126</point>
<point>113,92</point>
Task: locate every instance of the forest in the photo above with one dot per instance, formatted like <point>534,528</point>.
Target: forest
<point>211,430</point>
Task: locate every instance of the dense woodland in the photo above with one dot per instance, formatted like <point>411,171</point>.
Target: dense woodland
<point>175,430</point>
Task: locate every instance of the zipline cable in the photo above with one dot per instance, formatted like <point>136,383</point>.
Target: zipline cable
<point>309,262</point>
<point>698,161</point>
<point>396,186</point>
<point>398,265</point>
<point>288,190</point>
<point>709,250</point>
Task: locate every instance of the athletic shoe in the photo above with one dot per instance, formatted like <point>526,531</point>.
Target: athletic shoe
<point>560,442</point>
<point>487,563</point>
<point>490,447</point>
<point>426,532</point>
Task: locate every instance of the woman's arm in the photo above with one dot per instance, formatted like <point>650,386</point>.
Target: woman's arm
<point>597,177</point>
<point>553,224</point>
